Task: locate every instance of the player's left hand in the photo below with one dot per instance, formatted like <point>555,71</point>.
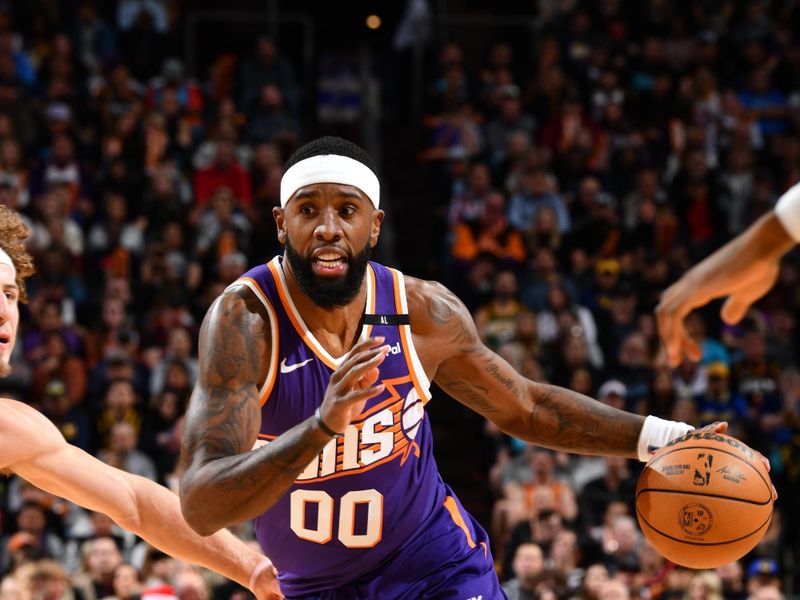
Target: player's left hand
<point>266,586</point>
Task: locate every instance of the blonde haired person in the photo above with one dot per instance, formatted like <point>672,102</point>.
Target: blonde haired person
<point>32,447</point>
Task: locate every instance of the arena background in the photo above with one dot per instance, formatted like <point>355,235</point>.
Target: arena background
<point>556,163</point>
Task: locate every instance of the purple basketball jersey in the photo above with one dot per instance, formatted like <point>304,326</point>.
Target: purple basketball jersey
<point>371,491</point>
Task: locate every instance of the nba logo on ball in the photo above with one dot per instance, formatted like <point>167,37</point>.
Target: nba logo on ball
<point>704,500</point>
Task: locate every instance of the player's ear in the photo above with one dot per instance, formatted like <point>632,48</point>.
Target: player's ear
<point>377,219</point>
<point>280,220</point>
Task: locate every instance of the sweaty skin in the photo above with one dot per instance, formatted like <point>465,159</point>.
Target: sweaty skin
<point>224,482</point>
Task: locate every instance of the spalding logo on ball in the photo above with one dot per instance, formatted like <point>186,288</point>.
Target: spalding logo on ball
<point>704,500</point>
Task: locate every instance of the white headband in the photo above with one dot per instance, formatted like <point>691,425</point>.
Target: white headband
<point>5,259</point>
<point>330,168</point>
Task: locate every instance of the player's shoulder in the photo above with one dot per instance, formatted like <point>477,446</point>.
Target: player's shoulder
<point>238,298</point>
<point>431,304</point>
<point>24,432</point>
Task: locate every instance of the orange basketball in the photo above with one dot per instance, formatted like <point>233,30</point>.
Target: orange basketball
<point>704,500</point>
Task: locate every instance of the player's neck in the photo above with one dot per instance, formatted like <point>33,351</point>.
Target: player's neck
<point>335,328</point>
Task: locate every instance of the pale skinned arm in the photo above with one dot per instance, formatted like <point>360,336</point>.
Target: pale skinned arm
<point>134,503</point>
<point>743,270</point>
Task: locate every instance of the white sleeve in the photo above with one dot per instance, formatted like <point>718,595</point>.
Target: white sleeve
<point>788,211</point>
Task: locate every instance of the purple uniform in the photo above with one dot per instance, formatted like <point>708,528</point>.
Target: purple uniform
<point>372,503</point>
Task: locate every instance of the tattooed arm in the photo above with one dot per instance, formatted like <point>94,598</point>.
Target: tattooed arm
<point>450,348</point>
<point>224,481</point>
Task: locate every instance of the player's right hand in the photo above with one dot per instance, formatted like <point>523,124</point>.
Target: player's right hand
<point>353,383</point>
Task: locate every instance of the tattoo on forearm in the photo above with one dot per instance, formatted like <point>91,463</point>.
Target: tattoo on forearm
<point>561,418</point>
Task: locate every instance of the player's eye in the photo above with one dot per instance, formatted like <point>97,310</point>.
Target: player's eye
<point>347,210</point>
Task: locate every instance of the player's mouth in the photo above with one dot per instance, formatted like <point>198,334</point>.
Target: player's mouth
<point>5,341</point>
<point>329,263</point>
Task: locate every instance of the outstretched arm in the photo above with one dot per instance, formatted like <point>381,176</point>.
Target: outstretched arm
<point>744,270</point>
<point>225,481</point>
<point>538,413</point>
<point>134,503</point>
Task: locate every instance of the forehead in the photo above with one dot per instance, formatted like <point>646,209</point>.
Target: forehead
<point>330,191</point>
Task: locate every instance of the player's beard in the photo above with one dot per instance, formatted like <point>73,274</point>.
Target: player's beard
<point>329,292</point>
<point>5,368</point>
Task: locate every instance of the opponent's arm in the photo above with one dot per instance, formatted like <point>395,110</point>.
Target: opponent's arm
<point>744,270</point>
<point>538,413</point>
<point>134,503</point>
<point>225,481</point>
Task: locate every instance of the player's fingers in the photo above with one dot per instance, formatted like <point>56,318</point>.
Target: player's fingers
<point>368,378</point>
<point>735,308</point>
<point>353,361</point>
<point>359,395</point>
<point>691,349</point>
<point>719,426</point>
<point>368,361</point>
<point>671,332</point>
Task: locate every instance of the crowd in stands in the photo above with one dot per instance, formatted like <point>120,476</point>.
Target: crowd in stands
<point>571,193</point>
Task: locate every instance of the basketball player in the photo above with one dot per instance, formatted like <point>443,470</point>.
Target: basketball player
<point>743,270</point>
<point>320,362</point>
<point>32,447</point>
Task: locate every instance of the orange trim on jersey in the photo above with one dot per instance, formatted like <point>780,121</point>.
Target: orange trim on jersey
<point>272,374</point>
<point>287,306</point>
<point>398,305</point>
<point>458,519</point>
<point>372,301</point>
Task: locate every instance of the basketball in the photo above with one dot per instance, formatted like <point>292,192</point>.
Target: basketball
<point>704,500</point>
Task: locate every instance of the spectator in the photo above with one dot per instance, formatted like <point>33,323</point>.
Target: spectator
<point>127,585</point>
<point>101,559</point>
<point>123,454</point>
<point>536,191</point>
<point>224,171</point>
<point>119,406</point>
<point>488,233</point>
<point>527,564</point>
<point>617,484</point>
<point>496,319</point>
<point>268,67</point>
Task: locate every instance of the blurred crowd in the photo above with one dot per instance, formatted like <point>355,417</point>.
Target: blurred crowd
<point>572,182</point>
<point>638,137</point>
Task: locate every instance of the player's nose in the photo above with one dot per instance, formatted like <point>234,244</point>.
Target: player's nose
<point>329,228</point>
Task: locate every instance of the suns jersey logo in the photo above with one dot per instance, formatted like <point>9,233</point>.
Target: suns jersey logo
<point>383,433</point>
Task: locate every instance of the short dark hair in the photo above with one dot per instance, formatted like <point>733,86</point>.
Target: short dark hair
<point>331,145</point>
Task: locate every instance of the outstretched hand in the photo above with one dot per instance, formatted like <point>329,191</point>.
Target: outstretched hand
<point>743,270</point>
<point>698,287</point>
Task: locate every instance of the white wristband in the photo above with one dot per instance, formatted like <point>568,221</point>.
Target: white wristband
<point>657,432</point>
<point>788,211</point>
